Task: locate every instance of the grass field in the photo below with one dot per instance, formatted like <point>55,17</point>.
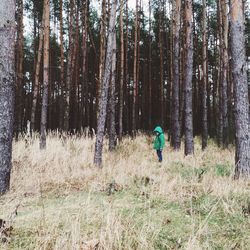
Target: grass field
<point>133,202</point>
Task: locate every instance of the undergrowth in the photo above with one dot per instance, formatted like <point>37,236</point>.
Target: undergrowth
<point>63,202</point>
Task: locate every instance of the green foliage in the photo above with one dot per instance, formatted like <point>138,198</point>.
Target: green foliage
<point>223,170</point>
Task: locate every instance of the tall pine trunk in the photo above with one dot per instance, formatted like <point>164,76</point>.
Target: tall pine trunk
<point>161,64</point>
<point>62,83</point>
<point>112,130</point>
<point>19,69</point>
<point>104,88</point>
<point>84,92</point>
<point>37,74</point>
<point>122,73</point>
<point>204,76</point>
<point>45,74</point>
<point>176,133</point>
<point>70,59</point>
<point>225,65</point>
<point>102,53</point>
<point>135,73</point>
<point>7,84</point>
<point>239,67</point>
<point>189,141</point>
<point>150,68</point>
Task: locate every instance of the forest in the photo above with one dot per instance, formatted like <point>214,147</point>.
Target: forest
<point>84,84</point>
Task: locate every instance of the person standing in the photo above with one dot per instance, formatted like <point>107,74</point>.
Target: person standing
<point>159,142</point>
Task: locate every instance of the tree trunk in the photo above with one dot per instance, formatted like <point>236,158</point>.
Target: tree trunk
<point>204,76</point>
<point>225,64</point>
<point>104,88</point>
<point>70,59</point>
<point>112,130</point>
<point>45,74</point>
<point>62,86</point>
<point>189,141</point>
<point>161,64</point>
<point>176,133</point>
<point>135,71</point>
<point>150,69</point>
<point>239,67</point>
<point>122,73</point>
<point>220,75</point>
<point>102,53</point>
<point>19,69</point>
<point>84,94</point>
<point>7,84</point>
<point>37,73</point>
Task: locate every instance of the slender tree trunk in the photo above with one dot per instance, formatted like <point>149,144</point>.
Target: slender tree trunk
<point>70,67</point>
<point>45,74</point>
<point>84,94</point>
<point>104,87</point>
<point>126,73</point>
<point>176,80</point>
<point>75,75</point>
<point>102,53</point>
<point>220,75</point>
<point>161,64</point>
<point>170,95</point>
<point>239,66</point>
<point>19,69</point>
<point>62,84</point>
<point>204,76</point>
<point>189,142</point>
<point>225,64</point>
<point>37,74</point>
<point>135,71</point>
<point>112,130</point>
<point>7,84</point>
<point>150,69</point>
<point>122,73</point>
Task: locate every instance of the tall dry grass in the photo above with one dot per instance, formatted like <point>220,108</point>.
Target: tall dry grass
<point>133,202</point>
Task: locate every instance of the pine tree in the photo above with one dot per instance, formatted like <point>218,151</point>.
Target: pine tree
<point>242,119</point>
<point>45,73</point>
<point>189,140</point>
<point>104,87</point>
<point>7,76</point>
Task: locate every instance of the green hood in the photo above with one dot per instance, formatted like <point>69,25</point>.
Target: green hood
<point>158,129</point>
<point>159,140</point>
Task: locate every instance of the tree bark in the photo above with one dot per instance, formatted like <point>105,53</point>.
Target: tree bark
<point>122,72</point>
<point>220,75</point>
<point>7,84</point>
<point>150,68</point>
<point>70,59</point>
<point>37,73</point>
<point>176,133</point>
<point>102,53</point>
<point>62,83</point>
<point>45,74</point>
<point>239,67</point>
<point>189,141</point>
<point>204,76</point>
<point>112,130</point>
<point>104,88</point>
<point>225,65</point>
<point>84,94</point>
<point>19,69</point>
<point>161,13</point>
<point>135,73</point>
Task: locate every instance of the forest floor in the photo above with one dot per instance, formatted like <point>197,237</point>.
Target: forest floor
<point>133,202</point>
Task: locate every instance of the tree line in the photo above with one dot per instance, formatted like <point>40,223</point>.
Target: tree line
<point>116,70</point>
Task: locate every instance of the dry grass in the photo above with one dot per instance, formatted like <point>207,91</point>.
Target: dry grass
<point>133,202</point>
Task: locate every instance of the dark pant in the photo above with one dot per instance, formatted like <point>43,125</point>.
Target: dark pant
<point>159,154</point>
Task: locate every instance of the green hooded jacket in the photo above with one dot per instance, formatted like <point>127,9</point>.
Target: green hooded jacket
<point>159,141</point>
